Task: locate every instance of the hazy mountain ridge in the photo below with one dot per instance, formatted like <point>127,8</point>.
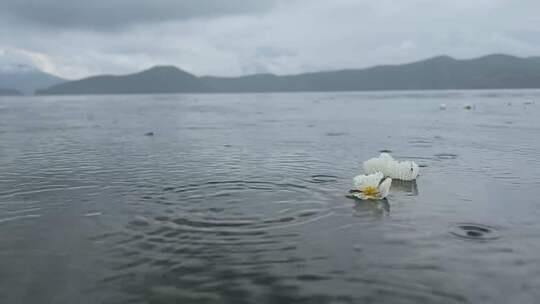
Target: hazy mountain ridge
<point>26,79</point>
<point>159,79</point>
<point>10,92</point>
<point>495,71</point>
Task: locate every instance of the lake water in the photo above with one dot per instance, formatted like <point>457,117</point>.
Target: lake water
<point>241,199</point>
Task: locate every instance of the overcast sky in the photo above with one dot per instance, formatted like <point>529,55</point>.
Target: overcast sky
<point>77,38</point>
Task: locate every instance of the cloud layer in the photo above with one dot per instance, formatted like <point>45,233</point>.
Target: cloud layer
<point>80,38</point>
<point>105,15</point>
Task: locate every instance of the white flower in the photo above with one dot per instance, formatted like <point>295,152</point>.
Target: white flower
<point>374,186</point>
<point>402,170</point>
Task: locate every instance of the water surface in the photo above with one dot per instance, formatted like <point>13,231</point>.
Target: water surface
<point>240,199</point>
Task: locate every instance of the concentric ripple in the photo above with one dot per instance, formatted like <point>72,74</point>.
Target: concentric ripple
<point>476,232</point>
<point>234,223</point>
<point>238,205</point>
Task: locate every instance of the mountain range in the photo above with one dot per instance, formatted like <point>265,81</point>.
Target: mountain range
<point>25,79</point>
<point>443,72</point>
<point>9,92</point>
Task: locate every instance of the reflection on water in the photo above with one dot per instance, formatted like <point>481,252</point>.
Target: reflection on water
<point>372,208</point>
<point>409,187</point>
<point>240,199</point>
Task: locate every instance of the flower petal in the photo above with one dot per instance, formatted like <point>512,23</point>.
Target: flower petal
<point>362,196</point>
<point>362,181</point>
<point>384,187</point>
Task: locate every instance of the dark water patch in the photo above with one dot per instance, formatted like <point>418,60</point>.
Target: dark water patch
<point>297,142</point>
<point>216,209</point>
<point>210,223</point>
<point>162,218</point>
<point>476,232</point>
<point>336,134</point>
<point>446,156</point>
<point>286,219</point>
<point>311,277</point>
<point>194,128</point>
<point>493,126</point>
<point>323,179</point>
<point>422,143</point>
<point>309,213</point>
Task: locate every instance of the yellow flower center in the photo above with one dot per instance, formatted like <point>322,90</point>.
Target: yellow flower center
<point>370,191</point>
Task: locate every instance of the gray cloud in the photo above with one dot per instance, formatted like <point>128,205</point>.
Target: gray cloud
<point>272,52</point>
<point>236,37</point>
<point>113,14</point>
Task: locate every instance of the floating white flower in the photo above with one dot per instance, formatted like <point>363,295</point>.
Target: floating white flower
<point>402,170</point>
<point>371,187</point>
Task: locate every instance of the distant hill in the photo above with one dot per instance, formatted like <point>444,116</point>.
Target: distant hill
<point>160,79</point>
<point>9,92</point>
<point>26,79</point>
<point>443,72</point>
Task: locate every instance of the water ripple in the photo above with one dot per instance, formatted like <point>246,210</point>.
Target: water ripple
<point>239,201</point>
